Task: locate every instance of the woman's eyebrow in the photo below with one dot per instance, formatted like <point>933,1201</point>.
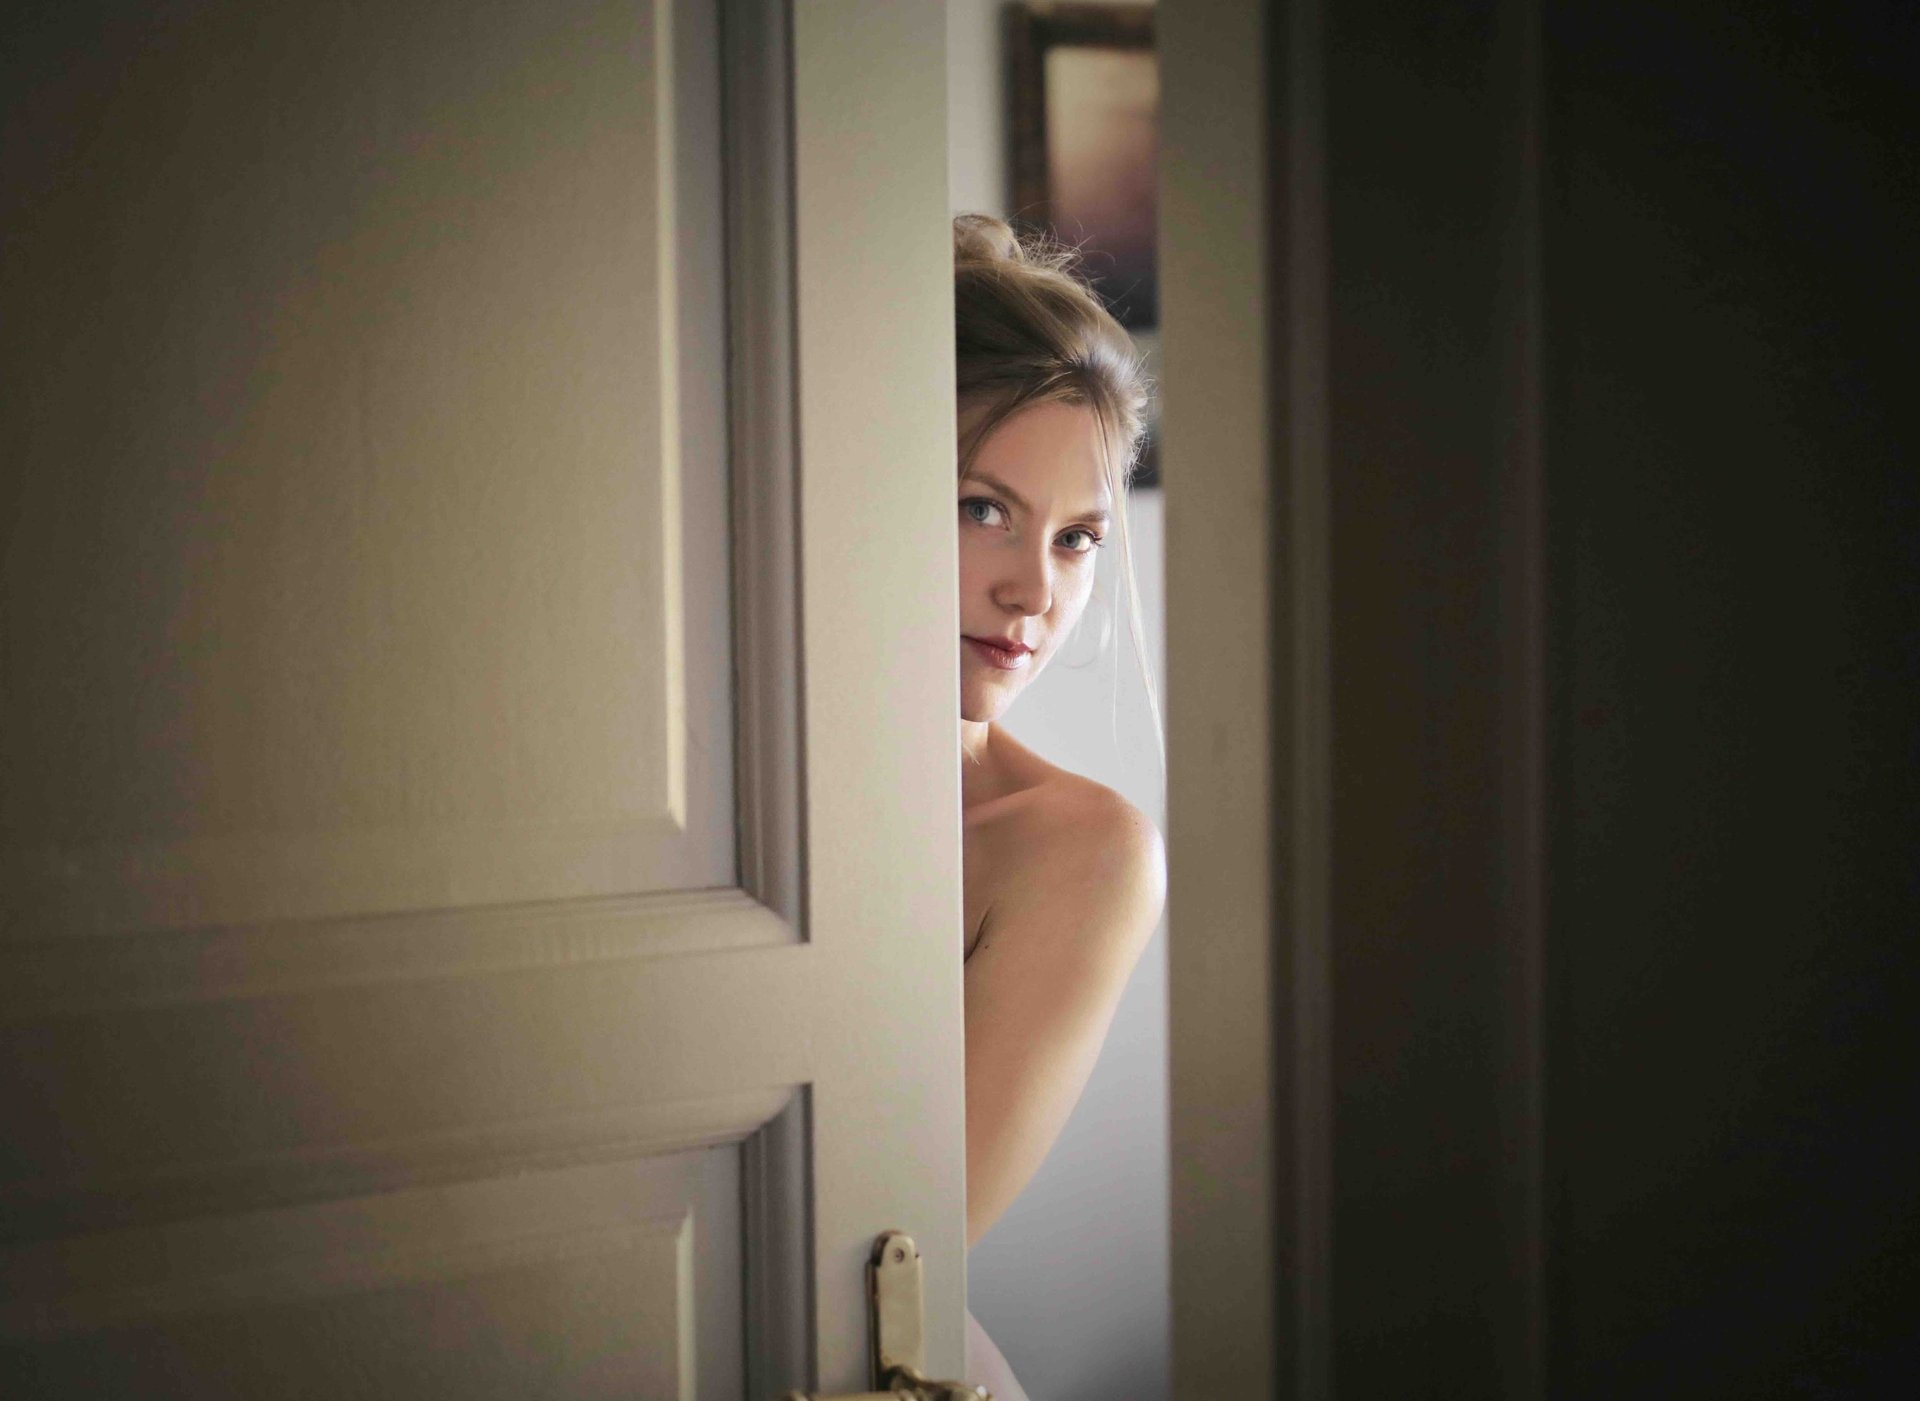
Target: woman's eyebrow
<point>1097,516</point>
<point>997,485</point>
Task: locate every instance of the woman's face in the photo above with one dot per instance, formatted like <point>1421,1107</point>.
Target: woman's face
<point>1034,508</point>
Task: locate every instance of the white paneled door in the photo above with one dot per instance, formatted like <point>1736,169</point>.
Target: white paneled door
<point>480,814</point>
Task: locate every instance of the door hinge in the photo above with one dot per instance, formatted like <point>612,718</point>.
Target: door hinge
<point>896,1325</point>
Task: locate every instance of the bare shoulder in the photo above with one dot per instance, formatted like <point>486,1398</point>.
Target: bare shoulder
<point>1086,829</point>
<point>1072,860</point>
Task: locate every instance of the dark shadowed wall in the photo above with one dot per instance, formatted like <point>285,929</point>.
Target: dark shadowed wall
<point>1591,702</point>
<point>1733,213</point>
<point>1709,1073</point>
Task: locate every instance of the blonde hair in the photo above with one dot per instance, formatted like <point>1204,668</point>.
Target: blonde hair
<point>1029,331</point>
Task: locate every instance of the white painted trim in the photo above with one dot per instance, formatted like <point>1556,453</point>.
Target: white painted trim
<point>342,1169</point>
<point>125,887</point>
<point>290,1278</point>
<point>135,1277</point>
<point>669,558</point>
<point>151,969</point>
<point>873,276</point>
<point>1242,247</point>
<point>757,150</point>
<point>756,45</point>
<point>775,1188</point>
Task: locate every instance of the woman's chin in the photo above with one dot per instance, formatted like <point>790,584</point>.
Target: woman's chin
<point>980,705</point>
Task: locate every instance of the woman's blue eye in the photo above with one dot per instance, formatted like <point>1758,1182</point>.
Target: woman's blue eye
<point>1089,541</point>
<point>984,510</point>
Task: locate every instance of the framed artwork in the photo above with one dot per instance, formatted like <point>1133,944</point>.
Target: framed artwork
<point>1084,102</point>
<point>1083,107</point>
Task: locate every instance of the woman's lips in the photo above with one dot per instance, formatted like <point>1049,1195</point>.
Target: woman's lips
<point>1004,658</point>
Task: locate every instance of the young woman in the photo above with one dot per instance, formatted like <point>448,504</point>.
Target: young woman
<point>1064,878</point>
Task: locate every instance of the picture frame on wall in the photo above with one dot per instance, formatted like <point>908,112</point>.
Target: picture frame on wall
<point>1084,95</point>
<point>1083,98</point>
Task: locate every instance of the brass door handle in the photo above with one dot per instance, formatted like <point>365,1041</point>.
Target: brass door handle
<point>907,1386</point>
<point>896,1320</point>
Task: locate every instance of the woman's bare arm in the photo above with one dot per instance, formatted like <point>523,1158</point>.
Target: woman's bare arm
<point>1054,955</point>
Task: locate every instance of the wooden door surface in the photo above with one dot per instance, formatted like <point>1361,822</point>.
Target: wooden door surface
<point>479,811</point>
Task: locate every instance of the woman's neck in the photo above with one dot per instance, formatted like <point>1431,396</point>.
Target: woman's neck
<point>979,773</point>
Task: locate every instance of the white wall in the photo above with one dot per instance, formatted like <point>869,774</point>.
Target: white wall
<point>976,108</point>
<point>1073,1282</point>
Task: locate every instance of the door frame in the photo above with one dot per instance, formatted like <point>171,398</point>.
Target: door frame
<point>1292,1131</point>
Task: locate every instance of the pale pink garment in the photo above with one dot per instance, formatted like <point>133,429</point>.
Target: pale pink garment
<point>986,1367</point>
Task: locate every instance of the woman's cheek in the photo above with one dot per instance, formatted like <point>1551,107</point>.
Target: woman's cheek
<point>1082,592</point>
<point>969,561</point>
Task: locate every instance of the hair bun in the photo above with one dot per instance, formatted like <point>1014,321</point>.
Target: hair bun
<point>981,238</point>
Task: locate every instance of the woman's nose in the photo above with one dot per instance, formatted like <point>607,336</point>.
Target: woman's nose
<point>1027,586</point>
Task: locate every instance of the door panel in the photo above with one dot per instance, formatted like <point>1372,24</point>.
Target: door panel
<point>347,576</point>
<point>367,387</point>
<point>402,985</point>
<point>578,1283</point>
